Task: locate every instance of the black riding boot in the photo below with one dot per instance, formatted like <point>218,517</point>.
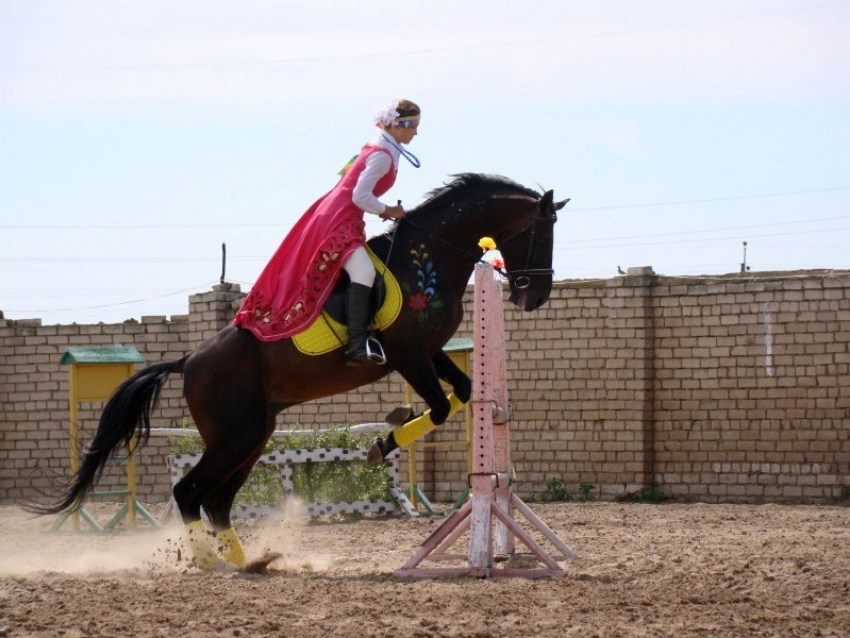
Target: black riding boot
<point>357,309</point>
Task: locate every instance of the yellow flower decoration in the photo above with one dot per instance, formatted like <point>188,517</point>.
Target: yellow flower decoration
<point>487,243</point>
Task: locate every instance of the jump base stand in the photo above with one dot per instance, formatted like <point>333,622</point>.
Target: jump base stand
<point>489,515</point>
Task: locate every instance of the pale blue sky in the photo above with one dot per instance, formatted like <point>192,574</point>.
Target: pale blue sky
<point>136,137</point>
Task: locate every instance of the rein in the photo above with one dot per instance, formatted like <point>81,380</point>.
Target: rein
<point>520,276</point>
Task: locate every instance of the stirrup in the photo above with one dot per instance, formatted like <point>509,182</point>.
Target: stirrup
<point>375,351</point>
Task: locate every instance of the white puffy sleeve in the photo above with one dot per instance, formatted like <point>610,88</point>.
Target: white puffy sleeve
<point>377,165</point>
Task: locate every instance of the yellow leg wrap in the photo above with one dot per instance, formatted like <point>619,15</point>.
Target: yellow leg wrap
<point>199,542</point>
<point>409,432</point>
<point>230,547</point>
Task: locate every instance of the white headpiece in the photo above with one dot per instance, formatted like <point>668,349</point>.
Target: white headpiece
<point>388,115</point>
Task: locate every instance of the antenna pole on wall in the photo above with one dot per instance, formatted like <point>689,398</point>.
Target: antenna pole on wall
<point>744,267</point>
<point>223,261</point>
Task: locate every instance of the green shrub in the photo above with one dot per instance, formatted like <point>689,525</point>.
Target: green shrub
<point>555,491</point>
<point>585,492</point>
<point>331,481</point>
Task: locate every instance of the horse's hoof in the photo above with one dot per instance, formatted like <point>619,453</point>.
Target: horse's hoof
<point>375,454</point>
<point>399,416</point>
<point>261,565</point>
<point>221,567</point>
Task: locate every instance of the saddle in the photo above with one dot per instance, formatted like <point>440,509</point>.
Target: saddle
<point>329,331</point>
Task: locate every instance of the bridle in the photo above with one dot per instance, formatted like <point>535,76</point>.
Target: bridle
<point>520,277</point>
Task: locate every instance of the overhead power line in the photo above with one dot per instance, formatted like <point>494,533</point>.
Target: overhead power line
<point>707,230</point>
<point>706,240</point>
<point>570,244</point>
<point>286,226</point>
<point>136,226</point>
<point>560,245</point>
<point>715,199</point>
<point>111,305</point>
<point>416,52</point>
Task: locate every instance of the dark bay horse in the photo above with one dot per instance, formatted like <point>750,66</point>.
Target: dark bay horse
<point>235,384</point>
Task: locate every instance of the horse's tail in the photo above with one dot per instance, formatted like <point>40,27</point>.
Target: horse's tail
<point>126,415</point>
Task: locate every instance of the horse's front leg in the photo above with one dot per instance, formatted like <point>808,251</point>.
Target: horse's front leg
<point>454,376</point>
<point>424,374</point>
<point>448,372</point>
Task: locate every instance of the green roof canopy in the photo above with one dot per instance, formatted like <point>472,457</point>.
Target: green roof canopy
<point>105,354</point>
<point>458,345</point>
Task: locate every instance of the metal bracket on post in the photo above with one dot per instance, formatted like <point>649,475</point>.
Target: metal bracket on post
<point>501,415</point>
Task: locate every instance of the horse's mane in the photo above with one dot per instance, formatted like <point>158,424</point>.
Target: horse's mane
<point>461,186</point>
<point>467,184</point>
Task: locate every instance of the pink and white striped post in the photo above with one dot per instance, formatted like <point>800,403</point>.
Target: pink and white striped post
<point>492,501</point>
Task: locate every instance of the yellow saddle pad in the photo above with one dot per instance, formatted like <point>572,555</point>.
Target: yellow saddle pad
<point>326,335</point>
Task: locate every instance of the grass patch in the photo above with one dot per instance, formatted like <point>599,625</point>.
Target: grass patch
<point>647,495</point>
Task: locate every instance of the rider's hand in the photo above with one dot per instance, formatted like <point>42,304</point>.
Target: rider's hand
<point>393,212</point>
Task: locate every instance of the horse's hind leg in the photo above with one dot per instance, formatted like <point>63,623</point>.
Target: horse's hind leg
<point>213,483</point>
<point>218,506</point>
<point>187,495</point>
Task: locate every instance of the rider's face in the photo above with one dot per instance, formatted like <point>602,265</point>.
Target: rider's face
<point>405,135</point>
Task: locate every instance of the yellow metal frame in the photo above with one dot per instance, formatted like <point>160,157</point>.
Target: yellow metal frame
<point>93,382</point>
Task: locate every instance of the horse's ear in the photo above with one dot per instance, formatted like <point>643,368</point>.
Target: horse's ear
<point>561,204</point>
<point>545,202</point>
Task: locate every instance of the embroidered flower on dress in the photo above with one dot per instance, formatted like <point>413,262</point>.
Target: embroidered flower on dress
<point>269,319</point>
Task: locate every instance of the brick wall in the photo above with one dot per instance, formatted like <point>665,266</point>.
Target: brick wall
<point>729,388</point>
<point>34,443</point>
<point>752,389</point>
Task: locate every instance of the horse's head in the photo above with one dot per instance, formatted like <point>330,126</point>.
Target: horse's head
<point>526,247</point>
<point>519,219</point>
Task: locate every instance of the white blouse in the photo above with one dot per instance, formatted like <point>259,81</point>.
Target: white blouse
<point>377,165</point>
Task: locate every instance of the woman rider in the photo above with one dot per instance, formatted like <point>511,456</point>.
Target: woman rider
<point>298,279</point>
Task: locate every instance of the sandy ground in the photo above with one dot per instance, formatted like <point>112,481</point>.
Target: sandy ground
<point>645,570</point>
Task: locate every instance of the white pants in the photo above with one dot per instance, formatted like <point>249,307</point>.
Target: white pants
<point>360,268</point>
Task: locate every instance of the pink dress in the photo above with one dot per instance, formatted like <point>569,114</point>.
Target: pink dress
<point>295,284</point>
